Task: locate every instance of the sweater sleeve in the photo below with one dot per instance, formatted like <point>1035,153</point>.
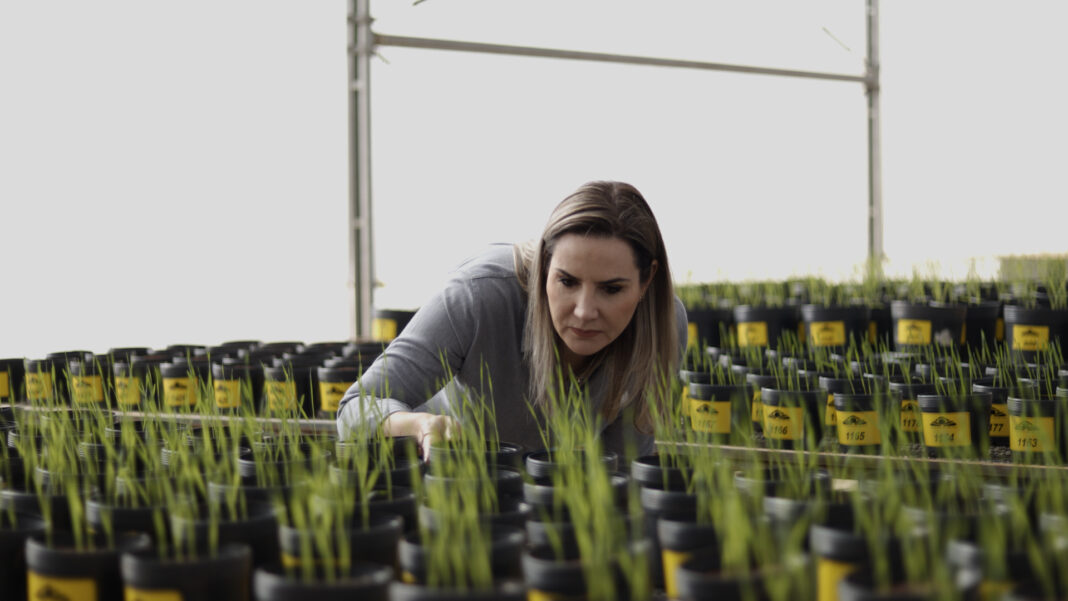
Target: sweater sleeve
<point>416,364</point>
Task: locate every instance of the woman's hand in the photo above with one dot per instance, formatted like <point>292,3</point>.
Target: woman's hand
<point>427,428</point>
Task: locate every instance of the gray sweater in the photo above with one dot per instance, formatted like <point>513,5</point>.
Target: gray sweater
<point>467,339</point>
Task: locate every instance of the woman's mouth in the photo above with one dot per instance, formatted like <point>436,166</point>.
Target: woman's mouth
<point>583,333</point>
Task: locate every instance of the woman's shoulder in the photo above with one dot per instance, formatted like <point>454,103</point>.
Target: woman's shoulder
<point>494,261</point>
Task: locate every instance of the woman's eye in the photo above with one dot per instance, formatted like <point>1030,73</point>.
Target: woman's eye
<point>612,289</point>
<point>566,282</point>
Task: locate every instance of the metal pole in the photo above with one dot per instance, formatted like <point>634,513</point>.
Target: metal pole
<point>361,264</point>
<point>436,44</point>
<point>875,171</point>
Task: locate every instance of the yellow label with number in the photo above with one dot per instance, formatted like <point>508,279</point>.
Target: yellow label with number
<point>39,386</point>
<point>281,396</point>
<point>784,423</point>
<point>753,333</point>
<point>179,392</point>
<point>711,416</point>
<point>331,394</point>
<point>87,389</point>
<point>913,331</point>
<point>910,416</point>
<point>828,333</point>
<point>67,589</point>
<point>830,416</point>
<point>858,428</point>
<point>1031,434</point>
<point>672,560</point>
<point>757,408</point>
<point>947,429</point>
<point>691,334</point>
<point>5,385</point>
<point>999,420</point>
<point>1030,338</point>
<point>383,329</point>
<point>828,574</point>
<point>127,391</point>
<point>228,393</point>
<point>137,594</point>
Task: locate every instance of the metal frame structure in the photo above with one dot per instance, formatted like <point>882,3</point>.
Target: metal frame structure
<point>361,47</point>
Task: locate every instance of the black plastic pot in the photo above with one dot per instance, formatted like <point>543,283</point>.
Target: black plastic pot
<point>545,503</point>
<point>366,581</point>
<point>12,380</point>
<point>334,382</point>
<point>180,385</point>
<point>1036,430</point>
<point>376,541</point>
<point>138,381</point>
<point>291,385</point>
<point>956,426</point>
<point>257,528</point>
<point>700,579</point>
<point>379,501</point>
<point>793,419</point>
<point>511,512</point>
<point>389,323</point>
<point>999,408</point>
<point>549,576</point>
<point>757,381</point>
<point>121,518</point>
<point>1030,331</point>
<point>399,472</point>
<point>505,549</point>
<point>512,590</point>
<point>708,326</point>
<point>56,569</point>
<point>911,420</point>
<point>835,327</point>
<point>720,414</point>
<point>89,380</point>
<point>681,541</point>
<point>237,385</point>
<point>837,551</point>
<point>653,471</point>
<point>541,465</point>
<point>764,326</point>
<point>14,530</point>
<point>830,385</point>
<point>46,382</point>
<point>507,455</point>
<point>922,325</point>
<point>981,324</point>
<point>222,576</point>
<point>864,421</point>
<point>664,504</point>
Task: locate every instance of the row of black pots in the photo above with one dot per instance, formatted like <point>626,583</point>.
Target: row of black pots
<point>904,324</point>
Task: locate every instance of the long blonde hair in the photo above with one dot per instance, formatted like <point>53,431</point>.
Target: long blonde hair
<point>646,352</point>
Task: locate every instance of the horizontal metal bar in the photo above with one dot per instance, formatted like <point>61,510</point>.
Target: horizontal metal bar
<point>438,44</point>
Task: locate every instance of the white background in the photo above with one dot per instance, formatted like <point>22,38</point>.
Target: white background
<point>176,172</point>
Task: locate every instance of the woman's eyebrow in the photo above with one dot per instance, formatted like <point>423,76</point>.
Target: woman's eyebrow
<point>605,282</point>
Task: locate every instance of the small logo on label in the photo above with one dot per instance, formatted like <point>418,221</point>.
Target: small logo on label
<point>944,421</point>
<point>779,414</point>
<point>853,420</point>
<point>178,385</point>
<point>1026,425</point>
<point>707,408</point>
<point>909,408</point>
<point>336,389</point>
<point>997,412</point>
<point>47,592</point>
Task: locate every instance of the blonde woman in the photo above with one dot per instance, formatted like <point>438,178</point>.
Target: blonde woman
<point>591,301</point>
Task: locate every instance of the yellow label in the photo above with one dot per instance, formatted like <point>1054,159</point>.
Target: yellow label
<point>136,594</point>
<point>290,561</point>
<point>383,329</point>
<point>858,428</point>
<point>536,595</point>
<point>873,332</point>
<point>672,560</point>
<point>999,329</point>
<point>39,386</point>
<point>127,391</point>
<point>687,404</point>
<point>331,394</point>
<point>1031,434</point>
<point>999,420</point>
<point>830,416</point>
<point>913,331</point>
<point>87,389</point>
<point>281,396</point>
<point>179,392</point>
<point>1030,338</point>
<point>753,333</point>
<point>757,408</point>
<point>228,393</point>
<point>59,589</point>
<point>802,333</point>
<point>910,416</point>
<point>828,574</point>
<point>784,423</point>
<point>964,333</point>
<point>993,590</point>
<point>828,333</point>
<point>691,334</point>
<point>711,416</point>
<point>947,429</point>
<point>408,577</point>
<point>5,385</point>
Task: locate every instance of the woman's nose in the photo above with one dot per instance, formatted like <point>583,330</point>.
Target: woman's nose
<point>586,306</point>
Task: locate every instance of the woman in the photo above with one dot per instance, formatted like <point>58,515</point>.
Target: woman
<point>592,301</point>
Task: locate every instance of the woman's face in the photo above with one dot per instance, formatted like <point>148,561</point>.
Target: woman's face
<point>593,287</point>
